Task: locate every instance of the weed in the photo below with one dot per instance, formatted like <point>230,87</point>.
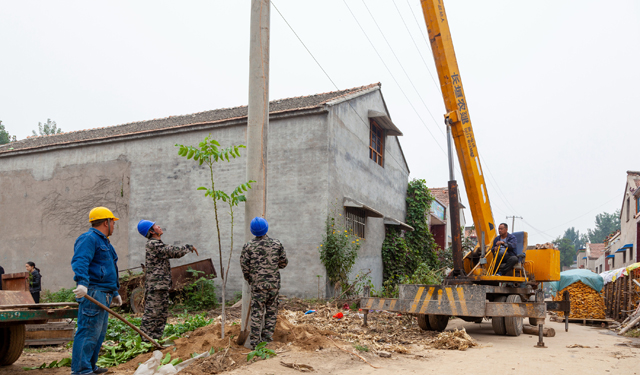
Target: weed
<point>261,351</point>
<point>237,296</point>
<point>200,294</point>
<point>361,348</point>
<point>62,295</point>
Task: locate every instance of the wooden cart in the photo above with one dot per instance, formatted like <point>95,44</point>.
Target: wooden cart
<point>132,281</point>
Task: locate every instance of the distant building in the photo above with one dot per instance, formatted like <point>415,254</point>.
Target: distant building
<point>439,218</point>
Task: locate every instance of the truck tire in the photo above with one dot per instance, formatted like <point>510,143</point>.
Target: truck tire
<point>438,322</point>
<point>497,322</point>
<point>423,322</point>
<point>136,300</point>
<point>14,337</point>
<point>4,341</point>
<point>513,324</point>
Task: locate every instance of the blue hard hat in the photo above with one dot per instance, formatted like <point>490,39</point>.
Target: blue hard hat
<point>144,226</point>
<point>259,226</point>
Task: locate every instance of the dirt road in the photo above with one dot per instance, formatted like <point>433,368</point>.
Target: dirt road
<point>496,355</point>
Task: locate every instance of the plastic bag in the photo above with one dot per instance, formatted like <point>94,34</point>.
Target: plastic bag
<point>150,366</point>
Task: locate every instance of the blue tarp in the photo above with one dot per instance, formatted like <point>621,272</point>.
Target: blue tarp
<point>595,281</point>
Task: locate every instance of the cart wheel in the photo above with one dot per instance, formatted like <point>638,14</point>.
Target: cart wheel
<point>13,343</point>
<point>513,324</point>
<point>4,341</point>
<point>423,322</point>
<point>497,322</point>
<point>438,322</point>
<point>136,300</point>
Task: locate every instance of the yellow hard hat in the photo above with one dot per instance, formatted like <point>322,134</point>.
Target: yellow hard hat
<point>99,213</point>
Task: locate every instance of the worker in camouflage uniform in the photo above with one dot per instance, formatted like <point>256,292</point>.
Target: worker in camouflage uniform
<point>157,277</point>
<point>261,260</point>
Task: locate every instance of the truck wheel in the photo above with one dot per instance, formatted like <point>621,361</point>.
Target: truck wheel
<point>4,341</point>
<point>423,322</point>
<point>438,322</point>
<point>14,337</point>
<point>497,322</point>
<point>513,324</point>
<point>136,300</point>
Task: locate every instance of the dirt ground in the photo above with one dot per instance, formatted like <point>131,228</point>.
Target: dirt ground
<point>494,354</point>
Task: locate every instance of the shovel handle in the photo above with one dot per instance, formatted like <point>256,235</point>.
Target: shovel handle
<point>125,321</point>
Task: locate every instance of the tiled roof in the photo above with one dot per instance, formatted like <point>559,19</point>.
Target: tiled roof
<point>217,115</point>
<point>441,194</point>
<point>596,250</point>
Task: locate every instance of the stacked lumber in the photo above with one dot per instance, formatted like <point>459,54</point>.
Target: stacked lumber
<point>546,245</point>
<point>586,303</point>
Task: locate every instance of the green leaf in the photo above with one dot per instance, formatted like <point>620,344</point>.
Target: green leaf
<point>190,154</point>
<point>166,359</point>
<point>201,161</point>
<point>215,142</point>
<point>201,188</point>
<point>251,355</point>
<point>212,350</point>
<point>175,361</point>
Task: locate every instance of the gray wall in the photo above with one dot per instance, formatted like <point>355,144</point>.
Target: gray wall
<point>314,161</point>
<point>355,175</point>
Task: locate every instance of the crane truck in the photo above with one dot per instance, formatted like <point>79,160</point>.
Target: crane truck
<point>474,290</point>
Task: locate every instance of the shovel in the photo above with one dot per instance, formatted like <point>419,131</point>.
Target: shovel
<point>154,342</point>
<point>247,327</point>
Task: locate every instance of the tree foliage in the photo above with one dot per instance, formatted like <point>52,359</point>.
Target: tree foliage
<point>403,253</point>
<point>5,137</point>
<point>338,252</point>
<point>48,128</point>
<point>577,240</point>
<point>210,152</point>
<point>605,225</point>
<point>567,251</point>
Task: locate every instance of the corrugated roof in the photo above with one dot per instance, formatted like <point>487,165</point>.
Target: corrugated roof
<point>217,115</point>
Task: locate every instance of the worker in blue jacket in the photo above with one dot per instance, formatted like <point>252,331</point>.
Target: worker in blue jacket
<point>95,266</point>
<point>506,243</point>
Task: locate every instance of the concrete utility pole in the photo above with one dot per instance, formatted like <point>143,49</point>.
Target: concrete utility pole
<point>257,128</point>
<point>513,222</point>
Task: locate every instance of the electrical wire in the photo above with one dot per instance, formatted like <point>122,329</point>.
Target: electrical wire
<point>400,63</point>
<point>393,77</point>
<point>326,74</point>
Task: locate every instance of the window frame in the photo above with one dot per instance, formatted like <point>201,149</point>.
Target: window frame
<point>380,133</point>
<point>356,221</point>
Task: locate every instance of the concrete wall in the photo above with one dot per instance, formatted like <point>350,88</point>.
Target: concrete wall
<point>353,174</point>
<point>628,224</point>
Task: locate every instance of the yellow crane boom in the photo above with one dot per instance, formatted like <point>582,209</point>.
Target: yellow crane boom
<point>458,117</point>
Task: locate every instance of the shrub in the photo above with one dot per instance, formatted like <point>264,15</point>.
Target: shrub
<point>62,295</point>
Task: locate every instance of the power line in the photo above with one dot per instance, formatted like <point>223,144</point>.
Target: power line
<point>416,45</point>
<point>586,213</point>
<point>324,71</point>
<point>400,63</point>
<point>393,77</point>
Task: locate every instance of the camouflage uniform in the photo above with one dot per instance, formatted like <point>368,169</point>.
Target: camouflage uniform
<point>157,285</point>
<point>261,260</point>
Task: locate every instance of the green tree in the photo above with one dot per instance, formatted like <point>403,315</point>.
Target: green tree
<point>578,240</point>
<point>47,128</point>
<point>567,251</point>
<point>210,152</point>
<point>605,225</point>
<point>5,137</point>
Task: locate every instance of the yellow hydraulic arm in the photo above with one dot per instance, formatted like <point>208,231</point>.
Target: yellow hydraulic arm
<point>458,117</point>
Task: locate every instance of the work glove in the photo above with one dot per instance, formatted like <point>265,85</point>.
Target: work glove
<point>80,291</point>
<point>116,301</point>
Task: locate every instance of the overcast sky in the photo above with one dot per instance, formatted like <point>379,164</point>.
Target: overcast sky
<point>551,85</point>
